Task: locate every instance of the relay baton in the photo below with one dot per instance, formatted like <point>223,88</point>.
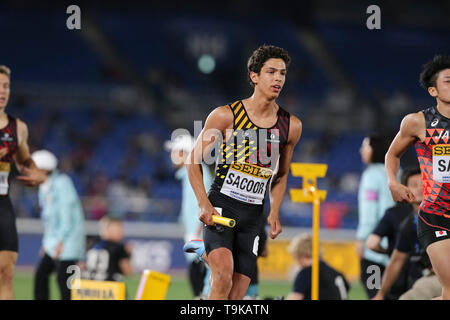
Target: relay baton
<point>224,221</point>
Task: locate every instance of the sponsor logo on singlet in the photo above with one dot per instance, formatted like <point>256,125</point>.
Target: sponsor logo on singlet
<point>7,137</point>
<point>435,122</point>
<point>441,163</point>
<point>246,182</point>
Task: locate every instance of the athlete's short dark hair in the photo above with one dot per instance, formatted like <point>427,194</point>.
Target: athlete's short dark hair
<point>6,71</point>
<point>431,70</point>
<point>261,55</point>
<point>380,145</point>
<point>408,173</point>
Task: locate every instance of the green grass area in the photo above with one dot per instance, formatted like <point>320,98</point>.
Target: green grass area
<point>178,290</point>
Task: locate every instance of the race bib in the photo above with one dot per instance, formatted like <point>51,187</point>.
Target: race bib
<point>5,168</point>
<point>441,163</point>
<point>246,182</point>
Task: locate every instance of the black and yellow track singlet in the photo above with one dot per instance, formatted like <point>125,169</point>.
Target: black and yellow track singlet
<point>249,158</point>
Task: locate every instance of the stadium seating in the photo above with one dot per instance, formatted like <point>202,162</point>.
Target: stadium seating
<point>96,143</point>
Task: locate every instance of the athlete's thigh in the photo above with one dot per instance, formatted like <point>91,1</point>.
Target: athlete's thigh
<point>8,259</point>
<point>245,251</point>
<point>218,236</point>
<point>439,253</point>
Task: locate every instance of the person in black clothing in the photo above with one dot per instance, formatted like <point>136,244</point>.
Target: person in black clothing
<point>408,259</point>
<point>332,284</point>
<point>108,259</point>
<point>408,251</point>
<point>389,227</point>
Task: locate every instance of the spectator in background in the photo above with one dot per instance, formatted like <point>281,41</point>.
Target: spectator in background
<point>180,147</point>
<point>374,198</point>
<point>408,251</point>
<point>332,284</point>
<point>389,226</point>
<point>64,234</point>
<point>108,259</point>
<point>408,256</point>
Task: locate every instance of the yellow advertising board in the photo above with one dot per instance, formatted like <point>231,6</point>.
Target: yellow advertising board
<point>153,285</point>
<point>97,290</point>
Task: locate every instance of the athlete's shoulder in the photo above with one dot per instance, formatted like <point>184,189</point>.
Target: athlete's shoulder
<point>221,116</point>
<point>295,128</point>
<point>22,128</point>
<point>415,117</point>
<point>22,131</point>
<point>295,121</point>
<point>413,121</point>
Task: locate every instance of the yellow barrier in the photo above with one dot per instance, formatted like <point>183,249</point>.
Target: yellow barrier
<point>153,286</point>
<point>97,290</point>
<point>311,194</point>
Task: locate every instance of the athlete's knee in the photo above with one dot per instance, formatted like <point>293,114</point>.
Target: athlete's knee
<point>7,273</point>
<point>222,279</point>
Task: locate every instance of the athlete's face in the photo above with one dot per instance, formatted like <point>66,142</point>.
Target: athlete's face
<point>271,78</point>
<point>4,90</point>
<point>442,89</point>
<point>366,151</point>
<point>415,185</point>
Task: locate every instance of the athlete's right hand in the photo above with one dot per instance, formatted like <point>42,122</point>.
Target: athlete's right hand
<point>205,214</point>
<point>401,193</point>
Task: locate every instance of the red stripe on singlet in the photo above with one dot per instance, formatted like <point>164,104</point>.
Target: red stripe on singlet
<point>283,127</point>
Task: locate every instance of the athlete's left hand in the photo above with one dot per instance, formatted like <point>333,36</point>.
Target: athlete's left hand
<point>31,177</point>
<point>275,225</point>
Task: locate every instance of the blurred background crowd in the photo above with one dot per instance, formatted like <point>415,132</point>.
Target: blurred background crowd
<point>104,98</point>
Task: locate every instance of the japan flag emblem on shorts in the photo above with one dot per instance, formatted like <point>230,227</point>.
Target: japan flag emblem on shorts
<point>440,233</point>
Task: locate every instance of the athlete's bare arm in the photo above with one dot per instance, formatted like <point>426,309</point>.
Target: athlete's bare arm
<point>278,186</point>
<point>216,125</point>
<point>412,129</point>
<point>31,175</point>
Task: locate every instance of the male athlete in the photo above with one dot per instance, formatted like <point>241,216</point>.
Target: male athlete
<point>256,138</point>
<point>429,131</point>
<point>13,147</point>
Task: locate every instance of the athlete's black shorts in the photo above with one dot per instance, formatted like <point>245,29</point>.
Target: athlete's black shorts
<point>8,232</point>
<point>432,228</point>
<point>243,239</point>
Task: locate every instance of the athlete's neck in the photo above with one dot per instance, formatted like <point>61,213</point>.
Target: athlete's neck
<point>3,118</point>
<point>262,105</point>
<point>443,108</point>
<point>416,207</point>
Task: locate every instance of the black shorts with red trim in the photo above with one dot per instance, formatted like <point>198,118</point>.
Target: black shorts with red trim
<point>432,228</point>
